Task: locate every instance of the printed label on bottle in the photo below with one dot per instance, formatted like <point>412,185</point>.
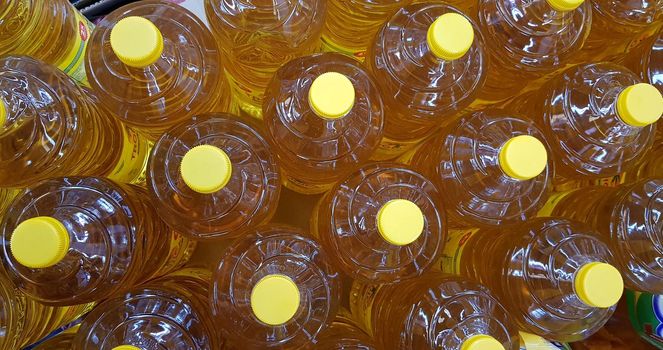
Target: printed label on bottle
<point>72,64</point>
<point>246,93</point>
<point>179,253</point>
<point>327,45</point>
<point>552,202</point>
<point>613,181</point>
<point>534,342</point>
<point>131,166</point>
<point>646,314</point>
<point>453,249</point>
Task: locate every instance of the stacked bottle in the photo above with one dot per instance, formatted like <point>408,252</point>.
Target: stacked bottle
<point>344,334</point>
<point>647,60</point>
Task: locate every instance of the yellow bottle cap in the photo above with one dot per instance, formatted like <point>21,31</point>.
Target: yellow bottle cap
<point>481,342</point>
<point>126,347</point>
<point>523,157</point>
<point>275,299</point>
<point>640,105</point>
<point>206,169</point>
<point>400,222</point>
<point>39,242</point>
<point>136,41</point>
<point>565,5</point>
<point>450,36</point>
<point>332,95</point>
<point>598,284</point>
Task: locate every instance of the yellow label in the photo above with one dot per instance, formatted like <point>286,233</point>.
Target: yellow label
<point>179,253</point>
<point>534,342</point>
<point>453,249</point>
<point>552,202</point>
<point>72,64</point>
<point>613,181</point>
<point>326,45</point>
<point>131,166</point>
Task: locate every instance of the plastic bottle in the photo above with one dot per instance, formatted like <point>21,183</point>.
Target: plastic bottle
<point>214,176</point>
<point>555,277</point>
<point>60,341</point>
<point>324,116</point>
<point>627,218</point>
<point>350,25</point>
<point>258,36</point>
<point>492,167</point>
<point>650,166</point>
<point>528,39</point>
<point>344,334</point>
<point>385,222</point>
<point>435,311</point>
<point>599,119</point>
<point>618,26</point>
<point>69,241</point>
<point>51,31</point>
<point>646,59</point>
<point>168,313</point>
<point>51,127</point>
<point>155,64</point>
<point>274,288</point>
<point>429,61</point>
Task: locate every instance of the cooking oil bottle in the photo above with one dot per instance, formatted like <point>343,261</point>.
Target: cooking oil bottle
<point>61,341</point>
<point>344,334</point>
<point>430,62</point>
<point>259,36</point>
<point>52,31</point>
<point>171,312</point>
<point>435,311</point>
<point>274,288</point>
<point>350,25</point>
<point>69,241</point>
<point>599,119</point>
<point>649,166</point>
<point>324,116</point>
<point>214,176</point>
<point>155,64</point>
<point>618,26</point>
<point>492,167</point>
<point>555,277</point>
<point>646,59</point>
<point>528,40</point>
<point>385,222</point>
<point>51,127</point>
<point>628,219</point>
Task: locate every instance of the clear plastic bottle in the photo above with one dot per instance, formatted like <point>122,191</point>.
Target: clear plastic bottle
<point>429,61</point>
<point>69,241</point>
<point>646,59</point>
<point>259,36</point>
<point>599,119</point>
<point>618,26</point>
<point>385,222</point>
<point>6,197</point>
<point>171,312</point>
<point>52,31</point>
<point>155,64</point>
<point>492,167</point>
<point>214,176</point>
<point>274,288</point>
<point>650,166</point>
<point>435,311</point>
<point>51,127</point>
<point>555,277</point>
<point>344,334</point>
<point>350,25</point>
<point>324,116</point>
<point>528,39</point>
<point>628,219</point>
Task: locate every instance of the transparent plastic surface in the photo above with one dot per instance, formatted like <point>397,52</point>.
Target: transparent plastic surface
<point>251,195</point>
<point>258,36</point>
<point>186,80</point>
<point>435,311</point>
<point>55,128</point>
<point>578,114</point>
<point>350,25</point>
<point>315,152</point>
<point>62,341</point>
<point>528,39</point>
<point>171,313</point>
<point>116,240</point>
<point>274,249</point>
<point>6,197</point>
<point>463,161</point>
<point>647,60</point>
<point>629,219</point>
<point>421,91</point>
<point>531,269</point>
<point>649,166</point>
<point>343,334</point>
<point>345,221</point>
